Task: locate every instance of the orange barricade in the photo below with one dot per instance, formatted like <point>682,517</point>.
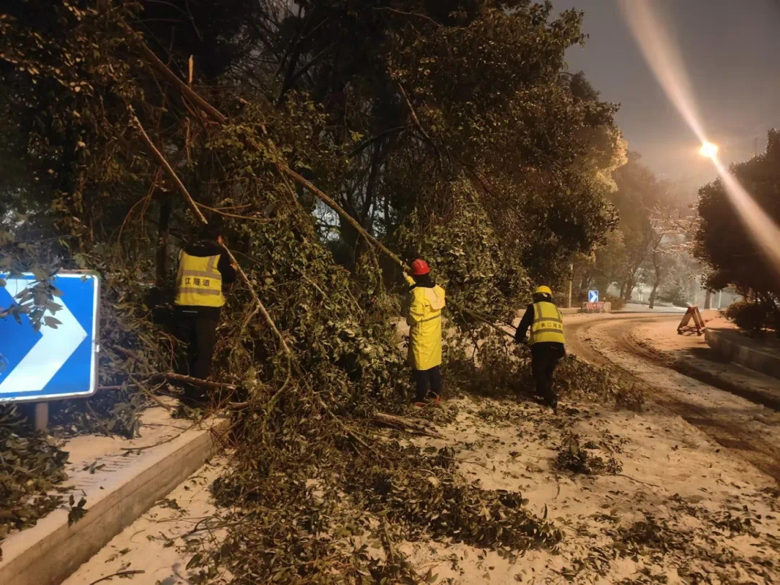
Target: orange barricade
<point>692,314</point>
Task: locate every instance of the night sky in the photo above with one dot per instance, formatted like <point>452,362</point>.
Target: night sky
<point>731,49</point>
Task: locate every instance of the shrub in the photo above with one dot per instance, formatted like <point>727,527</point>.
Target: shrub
<point>617,302</point>
<point>750,316</point>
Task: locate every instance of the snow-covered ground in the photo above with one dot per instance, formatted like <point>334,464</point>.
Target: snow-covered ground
<point>694,503</point>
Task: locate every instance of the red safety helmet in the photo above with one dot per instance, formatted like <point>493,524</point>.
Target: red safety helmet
<point>420,267</point>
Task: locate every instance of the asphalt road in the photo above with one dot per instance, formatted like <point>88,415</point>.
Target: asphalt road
<point>738,423</point>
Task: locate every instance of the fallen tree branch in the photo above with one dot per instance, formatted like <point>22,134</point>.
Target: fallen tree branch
<point>417,122</point>
<point>399,422</point>
<point>177,377</point>
<point>283,168</point>
<point>286,170</point>
<point>119,574</point>
<point>413,113</point>
<point>194,381</point>
<point>233,215</point>
<point>167,167</point>
<point>388,543</point>
<point>259,304</point>
<point>404,13</point>
<point>342,425</point>
<point>163,442</point>
<point>165,71</point>
<point>194,206</point>
<point>637,480</point>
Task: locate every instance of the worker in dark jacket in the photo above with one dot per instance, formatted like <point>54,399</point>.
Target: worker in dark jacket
<point>547,343</point>
<point>204,270</point>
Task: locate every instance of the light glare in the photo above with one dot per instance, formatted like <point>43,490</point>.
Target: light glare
<point>709,150</point>
<point>667,66</point>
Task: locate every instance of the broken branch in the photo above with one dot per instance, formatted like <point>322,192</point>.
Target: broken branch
<point>194,381</point>
<point>338,209</point>
<point>188,198</point>
<point>398,422</point>
<point>123,574</point>
<point>163,69</point>
<point>168,169</point>
<point>286,170</point>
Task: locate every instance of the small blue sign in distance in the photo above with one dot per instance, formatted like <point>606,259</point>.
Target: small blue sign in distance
<point>53,362</point>
<point>593,296</point>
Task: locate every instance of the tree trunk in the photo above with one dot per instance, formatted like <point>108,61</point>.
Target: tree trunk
<point>629,284</point>
<point>708,300</point>
<point>657,279</point>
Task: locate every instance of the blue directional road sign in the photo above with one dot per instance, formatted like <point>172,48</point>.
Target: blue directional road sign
<point>593,296</point>
<point>51,363</point>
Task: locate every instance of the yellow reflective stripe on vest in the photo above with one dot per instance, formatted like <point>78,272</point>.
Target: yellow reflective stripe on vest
<point>199,291</point>
<point>199,282</point>
<point>548,324</point>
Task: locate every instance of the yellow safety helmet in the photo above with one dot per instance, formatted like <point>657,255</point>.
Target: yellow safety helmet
<point>543,290</point>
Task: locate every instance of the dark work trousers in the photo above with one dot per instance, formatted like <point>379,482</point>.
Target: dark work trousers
<point>544,359</point>
<point>199,330</point>
<point>425,379</point>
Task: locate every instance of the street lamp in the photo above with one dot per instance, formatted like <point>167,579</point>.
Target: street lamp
<point>709,150</point>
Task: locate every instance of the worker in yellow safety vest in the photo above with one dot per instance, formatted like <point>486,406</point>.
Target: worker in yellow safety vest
<point>426,301</point>
<point>545,321</point>
<point>204,270</point>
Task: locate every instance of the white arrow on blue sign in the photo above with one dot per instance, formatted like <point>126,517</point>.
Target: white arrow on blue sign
<point>593,296</point>
<point>51,363</point>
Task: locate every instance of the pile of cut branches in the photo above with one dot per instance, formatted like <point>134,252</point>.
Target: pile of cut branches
<point>489,364</point>
<point>577,458</point>
<point>30,467</point>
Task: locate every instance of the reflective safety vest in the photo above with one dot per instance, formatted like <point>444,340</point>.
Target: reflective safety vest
<point>199,282</point>
<point>548,324</point>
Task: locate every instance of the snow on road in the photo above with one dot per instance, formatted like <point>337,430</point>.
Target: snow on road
<point>749,430</point>
<point>693,503</point>
<point>663,519</point>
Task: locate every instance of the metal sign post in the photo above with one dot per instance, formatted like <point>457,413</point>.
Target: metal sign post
<point>57,361</point>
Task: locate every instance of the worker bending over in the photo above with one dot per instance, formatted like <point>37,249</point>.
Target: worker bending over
<point>546,341</point>
<point>204,269</point>
<point>426,301</point>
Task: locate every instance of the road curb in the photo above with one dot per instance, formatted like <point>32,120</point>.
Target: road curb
<point>752,358</point>
<point>49,552</point>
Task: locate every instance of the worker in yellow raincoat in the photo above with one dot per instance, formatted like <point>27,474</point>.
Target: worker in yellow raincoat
<point>424,319</point>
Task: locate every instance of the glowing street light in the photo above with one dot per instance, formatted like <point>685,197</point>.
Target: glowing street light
<point>709,150</point>
<point>665,62</point>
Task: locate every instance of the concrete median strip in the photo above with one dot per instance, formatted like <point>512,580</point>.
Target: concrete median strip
<point>730,345</point>
<point>128,484</point>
